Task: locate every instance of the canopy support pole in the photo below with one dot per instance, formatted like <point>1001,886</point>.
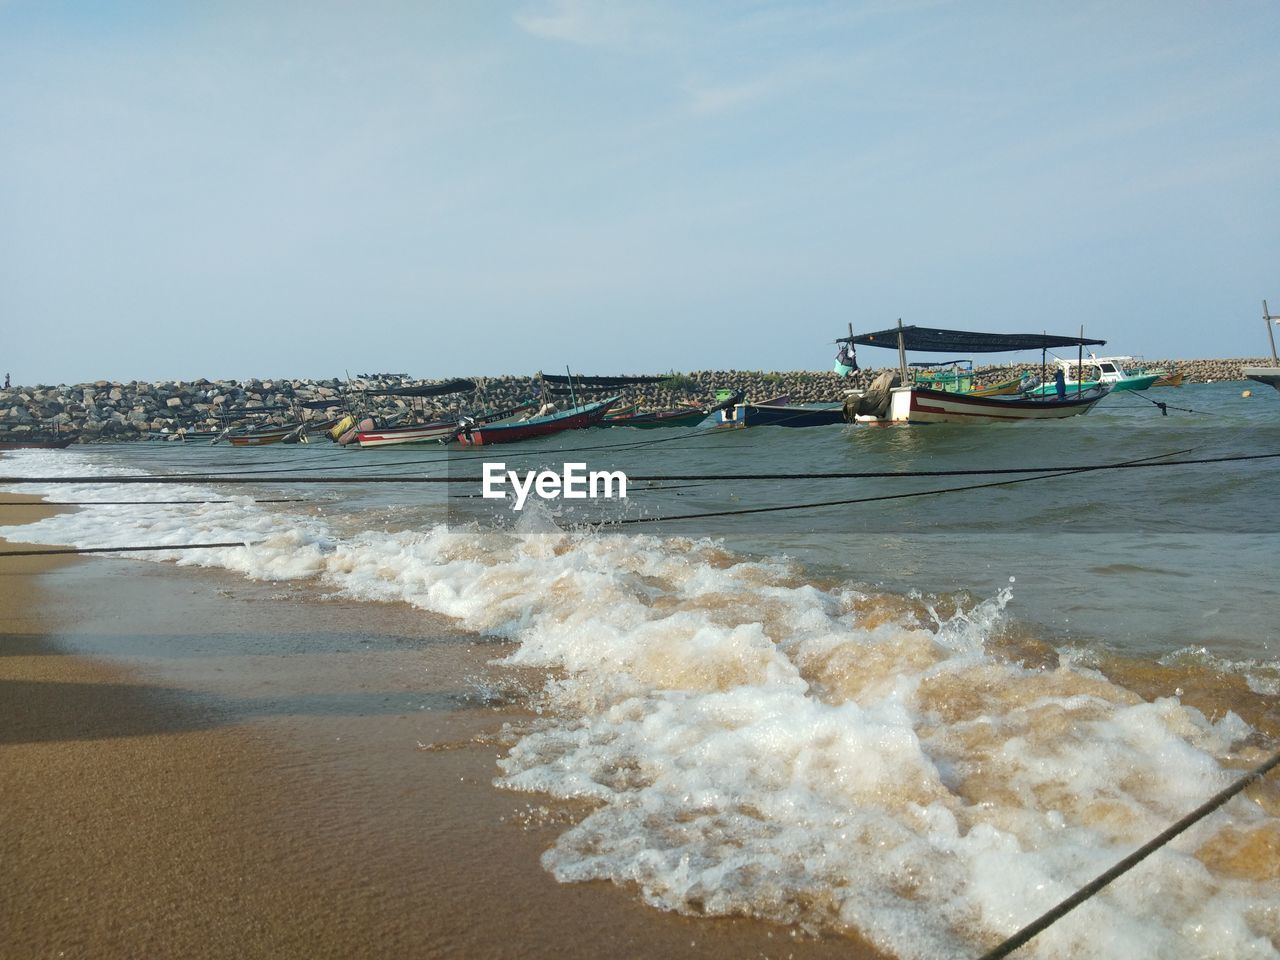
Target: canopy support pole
<point>902,355</point>
<point>1267,318</point>
<point>1080,363</point>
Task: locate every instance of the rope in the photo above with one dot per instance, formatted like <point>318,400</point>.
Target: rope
<point>1089,889</point>
<point>1145,463</point>
<point>1165,407</point>
<point>876,499</point>
<point>136,503</point>
<point>57,551</point>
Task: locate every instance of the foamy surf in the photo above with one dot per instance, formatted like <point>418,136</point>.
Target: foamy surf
<point>753,745</point>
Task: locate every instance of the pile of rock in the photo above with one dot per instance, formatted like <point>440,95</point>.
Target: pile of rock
<point>111,411</point>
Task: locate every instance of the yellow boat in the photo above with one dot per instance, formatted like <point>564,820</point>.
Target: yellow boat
<point>1173,379</point>
<point>1006,388</point>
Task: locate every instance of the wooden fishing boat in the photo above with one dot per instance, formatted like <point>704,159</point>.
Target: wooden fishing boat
<point>1171,379</point>
<point>783,415</point>
<point>575,418</point>
<point>888,401</point>
<point>677,417</point>
<point>917,404</point>
<point>262,436</point>
<point>622,410</point>
<point>439,431</point>
<point>1268,375</point>
<point>15,442</point>
<point>1005,388</point>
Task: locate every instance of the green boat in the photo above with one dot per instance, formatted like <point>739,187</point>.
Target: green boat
<point>1110,372</point>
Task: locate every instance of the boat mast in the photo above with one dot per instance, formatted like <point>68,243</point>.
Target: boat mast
<point>902,355</point>
<point>1267,318</point>
<point>1080,362</point>
<point>572,396</point>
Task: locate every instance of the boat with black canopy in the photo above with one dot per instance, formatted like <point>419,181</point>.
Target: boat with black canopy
<point>896,398</point>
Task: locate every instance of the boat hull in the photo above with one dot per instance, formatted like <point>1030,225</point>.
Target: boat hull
<point>439,431</point>
<point>57,444</point>
<point>780,415</point>
<point>920,405</point>
<point>260,438</point>
<point>577,418</point>
<point>1268,375</point>
<point>648,421</point>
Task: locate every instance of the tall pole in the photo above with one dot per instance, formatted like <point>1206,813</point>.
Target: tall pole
<point>572,396</point>
<point>1080,363</point>
<point>1267,317</point>
<point>902,355</point>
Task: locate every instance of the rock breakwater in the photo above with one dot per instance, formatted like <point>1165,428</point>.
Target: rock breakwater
<point>112,411</point>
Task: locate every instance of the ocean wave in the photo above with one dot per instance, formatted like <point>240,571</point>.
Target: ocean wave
<point>749,743</point>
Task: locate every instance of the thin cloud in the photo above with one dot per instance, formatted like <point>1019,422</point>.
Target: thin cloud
<point>578,21</point>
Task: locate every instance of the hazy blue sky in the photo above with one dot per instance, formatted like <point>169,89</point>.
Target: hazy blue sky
<point>302,188</point>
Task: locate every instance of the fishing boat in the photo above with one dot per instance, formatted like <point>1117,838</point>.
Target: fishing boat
<point>575,418</point>
<point>676,417</point>
<point>261,436</point>
<point>1172,378</point>
<point>1111,371</point>
<point>894,398</point>
<point>783,415</point>
<point>351,427</point>
<point>15,442</point>
<point>961,378</point>
<point>440,431</point>
<point>1268,375</point>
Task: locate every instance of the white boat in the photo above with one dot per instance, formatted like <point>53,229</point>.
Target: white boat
<point>1115,372</point>
<point>1268,375</point>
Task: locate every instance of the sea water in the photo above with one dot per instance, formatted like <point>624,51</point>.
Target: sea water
<point>924,718</point>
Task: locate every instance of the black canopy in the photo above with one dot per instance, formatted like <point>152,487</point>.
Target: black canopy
<point>934,340</point>
<point>427,390</point>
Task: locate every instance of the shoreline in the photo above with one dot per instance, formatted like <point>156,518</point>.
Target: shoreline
<point>201,765</point>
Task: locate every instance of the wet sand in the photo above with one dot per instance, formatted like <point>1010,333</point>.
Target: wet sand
<point>197,765</point>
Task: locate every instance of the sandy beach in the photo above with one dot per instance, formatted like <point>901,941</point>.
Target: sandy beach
<point>197,765</point>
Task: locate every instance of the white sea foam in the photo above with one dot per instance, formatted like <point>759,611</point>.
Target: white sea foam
<point>753,745</point>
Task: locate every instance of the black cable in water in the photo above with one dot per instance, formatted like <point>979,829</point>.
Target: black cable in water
<point>1046,920</point>
<point>1158,460</point>
<point>137,503</point>
<point>59,551</point>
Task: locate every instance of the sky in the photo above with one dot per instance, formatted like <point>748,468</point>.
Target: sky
<point>300,189</point>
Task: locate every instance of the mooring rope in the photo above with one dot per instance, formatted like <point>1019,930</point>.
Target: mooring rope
<point>1143,461</point>
<point>138,503</point>
<point>1166,407</point>
<point>1156,461</point>
<point>58,551</point>
<point>1089,889</point>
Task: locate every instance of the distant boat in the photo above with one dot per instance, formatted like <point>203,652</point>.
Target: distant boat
<point>575,418</point>
<point>438,431</point>
<point>1109,371</point>
<point>677,417</point>
<point>894,399</point>
<point>961,378</point>
<point>1172,378</point>
<point>35,443</point>
<point>261,436</point>
<point>783,415</point>
<point>1268,375</point>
